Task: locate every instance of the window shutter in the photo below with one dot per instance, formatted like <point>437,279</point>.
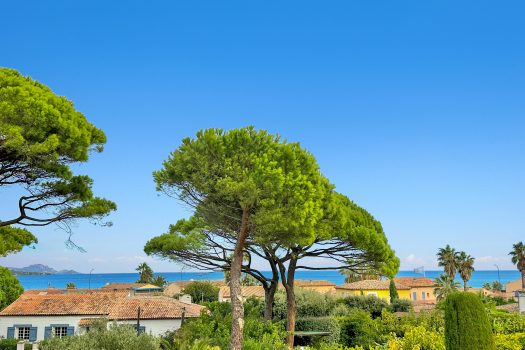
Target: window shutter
<point>142,329</point>
<point>70,331</point>
<point>32,334</point>
<point>10,332</point>
<point>47,332</point>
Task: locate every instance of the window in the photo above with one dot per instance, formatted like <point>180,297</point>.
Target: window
<point>414,296</point>
<point>59,332</point>
<point>423,295</point>
<point>23,333</point>
<point>372,293</point>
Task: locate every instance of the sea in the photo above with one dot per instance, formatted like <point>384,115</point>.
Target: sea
<point>97,280</point>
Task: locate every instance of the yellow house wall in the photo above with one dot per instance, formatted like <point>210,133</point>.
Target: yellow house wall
<point>429,293</point>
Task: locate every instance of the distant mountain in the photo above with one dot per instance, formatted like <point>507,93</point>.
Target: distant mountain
<point>39,269</point>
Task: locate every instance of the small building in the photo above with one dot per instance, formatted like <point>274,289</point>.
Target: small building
<point>319,286</point>
<point>116,287</point>
<point>377,288</point>
<point>147,289</point>
<point>177,288</point>
<point>247,292</point>
<point>421,288</point>
<point>513,286</point>
<point>41,314</point>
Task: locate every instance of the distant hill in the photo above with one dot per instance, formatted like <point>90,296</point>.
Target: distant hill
<point>39,269</point>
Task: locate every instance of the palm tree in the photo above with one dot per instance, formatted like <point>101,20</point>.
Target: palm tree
<point>466,267</point>
<point>159,281</point>
<point>444,286</point>
<point>518,258</point>
<point>447,258</point>
<point>145,272</point>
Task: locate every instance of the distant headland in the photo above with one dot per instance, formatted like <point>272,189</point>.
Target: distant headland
<point>39,269</point>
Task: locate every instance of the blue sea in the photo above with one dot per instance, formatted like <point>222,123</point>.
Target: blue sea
<point>98,280</point>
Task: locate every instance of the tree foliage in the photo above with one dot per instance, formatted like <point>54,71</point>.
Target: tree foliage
<point>518,258</point>
<point>465,267</point>
<point>41,136</point>
<point>10,288</point>
<point>447,258</point>
<point>202,291</point>
<point>145,273</point>
<point>444,286</point>
<point>467,326</point>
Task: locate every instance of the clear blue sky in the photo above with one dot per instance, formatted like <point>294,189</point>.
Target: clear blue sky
<point>414,109</point>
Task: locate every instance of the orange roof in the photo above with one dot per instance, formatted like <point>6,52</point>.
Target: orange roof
<point>152,308</point>
<point>247,291</point>
<point>313,283</point>
<point>415,282</point>
<point>113,305</point>
<point>371,285</point>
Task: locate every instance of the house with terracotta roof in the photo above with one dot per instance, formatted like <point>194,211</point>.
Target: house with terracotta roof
<point>421,288</point>
<point>247,292</point>
<point>176,288</point>
<point>377,288</point>
<point>319,286</point>
<point>41,314</point>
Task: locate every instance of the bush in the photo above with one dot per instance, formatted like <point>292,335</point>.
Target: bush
<point>320,324</point>
<point>358,328</point>
<point>467,326</point>
<point>401,305</point>
<point>514,341</point>
<point>309,304</point>
<point>418,338</point>
<point>202,291</point>
<point>368,303</point>
<point>117,337</point>
<point>506,323</point>
<point>10,344</point>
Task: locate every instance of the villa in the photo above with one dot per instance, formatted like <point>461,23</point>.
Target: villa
<point>421,288</point>
<point>40,314</point>
<point>377,288</point>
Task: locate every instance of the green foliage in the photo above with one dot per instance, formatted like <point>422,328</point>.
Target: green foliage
<point>118,337</point>
<point>10,287</point>
<point>466,323</point>
<point>159,281</point>
<point>506,323</point>
<point>145,273</point>
<point>400,305</point>
<point>444,287</point>
<point>320,324</point>
<point>418,338</point>
<point>518,258</point>
<point>447,258</point>
<point>202,291</point>
<point>394,295</point>
<point>41,137</point>
<point>10,344</point>
<point>368,303</point>
<point>515,341</point>
<point>309,304</point>
<point>70,285</point>
<point>465,265</point>
<point>358,328</point>
<point>214,329</point>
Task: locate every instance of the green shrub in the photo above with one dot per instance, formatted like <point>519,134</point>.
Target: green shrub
<point>467,325</point>
<point>506,323</point>
<point>418,338</point>
<point>340,310</point>
<point>309,304</point>
<point>358,328</point>
<point>400,305</point>
<point>320,324</point>
<point>117,337</point>
<point>514,341</point>
<point>368,303</point>
<point>202,291</point>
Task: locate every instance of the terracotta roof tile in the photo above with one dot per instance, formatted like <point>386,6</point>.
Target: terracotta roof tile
<point>247,291</point>
<point>114,305</point>
<point>415,282</point>
<point>152,308</point>
<point>371,285</point>
<point>313,283</point>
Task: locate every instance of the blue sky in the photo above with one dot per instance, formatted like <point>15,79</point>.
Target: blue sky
<point>414,109</point>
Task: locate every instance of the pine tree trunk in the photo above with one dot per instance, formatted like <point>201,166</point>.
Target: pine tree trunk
<point>236,340</point>
<point>291,312</point>
<point>269,298</point>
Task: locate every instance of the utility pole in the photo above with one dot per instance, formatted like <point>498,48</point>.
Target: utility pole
<point>499,279</point>
<point>89,282</point>
<point>138,321</point>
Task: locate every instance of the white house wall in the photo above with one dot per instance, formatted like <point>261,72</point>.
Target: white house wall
<point>155,327</point>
